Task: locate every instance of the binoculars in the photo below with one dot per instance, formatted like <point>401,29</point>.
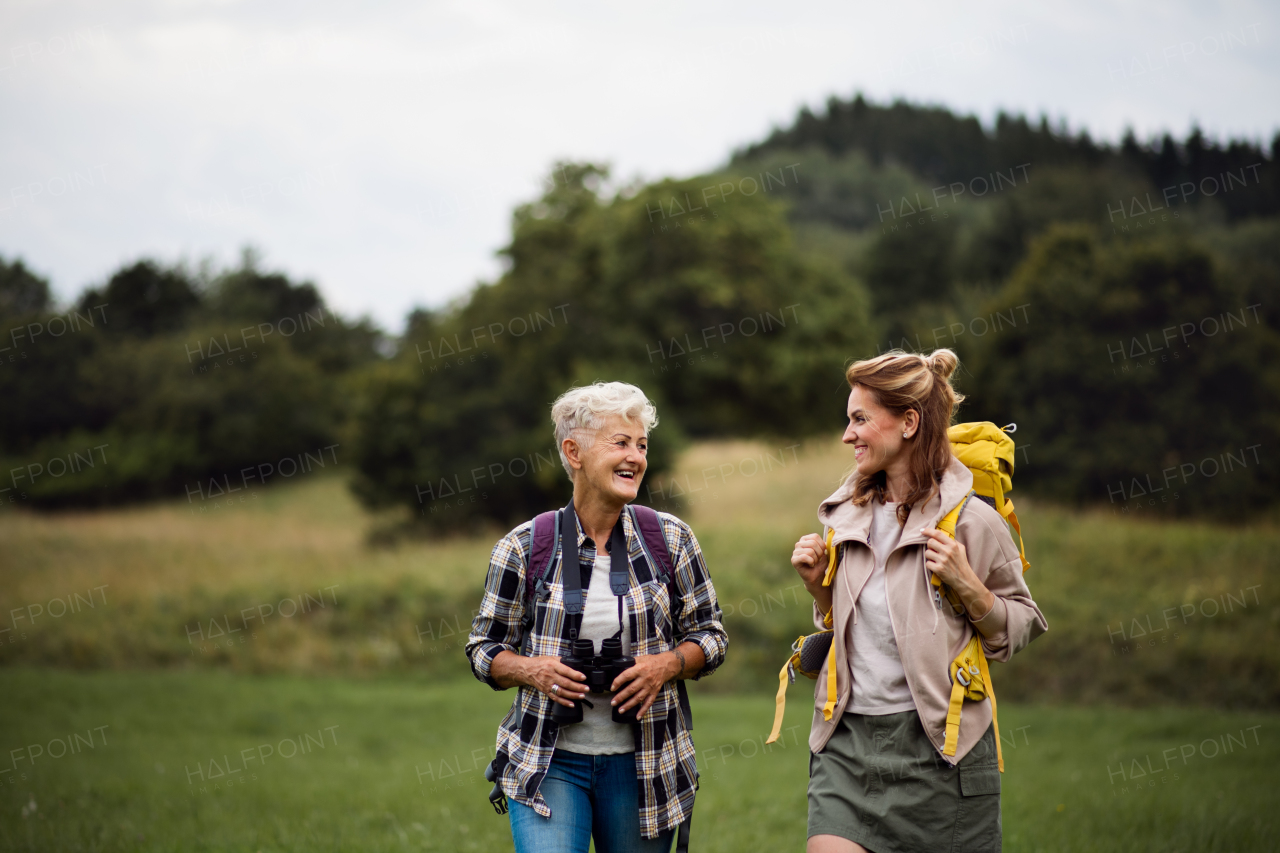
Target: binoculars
<point>600,671</point>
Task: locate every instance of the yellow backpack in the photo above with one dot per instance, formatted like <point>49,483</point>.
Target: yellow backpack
<point>987,451</point>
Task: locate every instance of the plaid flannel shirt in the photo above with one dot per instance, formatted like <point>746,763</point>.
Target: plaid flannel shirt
<point>665,759</point>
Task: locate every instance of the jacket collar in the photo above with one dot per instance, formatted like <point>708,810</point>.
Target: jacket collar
<point>853,523</point>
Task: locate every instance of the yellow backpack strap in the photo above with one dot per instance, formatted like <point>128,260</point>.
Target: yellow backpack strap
<point>948,526</point>
<point>991,694</point>
<point>784,678</point>
<point>953,717</point>
<point>831,559</point>
<point>949,521</point>
<point>970,679</point>
<point>786,675</point>
<point>1012,517</point>
<point>829,708</point>
<point>830,576</point>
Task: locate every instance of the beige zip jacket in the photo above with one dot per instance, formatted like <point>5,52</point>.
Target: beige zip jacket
<point>928,638</point>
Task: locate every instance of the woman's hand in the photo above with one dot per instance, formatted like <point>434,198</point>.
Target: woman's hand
<point>544,673</point>
<point>810,561</point>
<point>639,685</point>
<point>947,559</point>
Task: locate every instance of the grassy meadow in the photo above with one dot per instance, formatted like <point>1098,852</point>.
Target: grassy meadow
<point>167,639</point>
<point>209,760</point>
<point>294,580</point>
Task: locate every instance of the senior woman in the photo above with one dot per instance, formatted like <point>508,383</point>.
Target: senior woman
<point>627,785</point>
<point>878,777</point>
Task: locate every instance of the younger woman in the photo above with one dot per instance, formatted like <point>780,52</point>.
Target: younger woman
<point>878,778</point>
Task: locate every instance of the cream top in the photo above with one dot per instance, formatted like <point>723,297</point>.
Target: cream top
<point>879,681</point>
<point>598,734</point>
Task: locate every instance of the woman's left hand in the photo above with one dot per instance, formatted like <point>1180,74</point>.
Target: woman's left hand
<point>643,681</point>
<point>946,558</point>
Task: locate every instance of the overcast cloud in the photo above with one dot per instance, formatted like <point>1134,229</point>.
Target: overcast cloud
<point>379,148</point>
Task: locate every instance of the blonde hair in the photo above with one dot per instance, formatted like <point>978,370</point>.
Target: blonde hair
<point>586,407</point>
<point>901,381</point>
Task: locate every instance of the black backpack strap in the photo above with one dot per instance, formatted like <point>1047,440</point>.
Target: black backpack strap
<point>682,835</point>
<point>686,709</point>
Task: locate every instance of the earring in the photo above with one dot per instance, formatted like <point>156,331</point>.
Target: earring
<point>904,435</point>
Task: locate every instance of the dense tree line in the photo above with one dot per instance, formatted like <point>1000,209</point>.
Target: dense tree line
<point>167,382</point>
<point>1147,377</point>
<point>942,147</point>
<point>1057,266</point>
<point>1128,328</point>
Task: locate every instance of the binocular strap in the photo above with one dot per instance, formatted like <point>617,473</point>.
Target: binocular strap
<point>571,573</point>
<point>620,578</point>
<point>571,570</point>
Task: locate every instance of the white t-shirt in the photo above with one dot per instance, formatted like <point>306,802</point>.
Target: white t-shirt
<point>879,681</point>
<point>598,734</point>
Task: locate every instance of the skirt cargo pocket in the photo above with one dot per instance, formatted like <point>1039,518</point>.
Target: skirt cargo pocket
<point>979,772</point>
<point>975,781</point>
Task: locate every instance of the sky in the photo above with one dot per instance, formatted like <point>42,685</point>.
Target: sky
<point>379,148</point>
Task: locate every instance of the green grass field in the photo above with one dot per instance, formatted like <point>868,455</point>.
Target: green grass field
<point>171,643</point>
<point>401,763</point>
<point>287,582</point>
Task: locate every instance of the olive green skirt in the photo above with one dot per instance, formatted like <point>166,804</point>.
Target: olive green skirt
<point>880,782</point>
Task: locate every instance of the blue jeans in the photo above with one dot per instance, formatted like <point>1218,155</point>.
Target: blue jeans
<point>590,796</point>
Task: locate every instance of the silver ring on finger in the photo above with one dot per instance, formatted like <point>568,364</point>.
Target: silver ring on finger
<point>555,688</point>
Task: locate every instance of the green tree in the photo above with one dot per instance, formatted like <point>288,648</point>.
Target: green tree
<point>175,381</point>
<point>1144,377</point>
<point>22,291</point>
<point>144,299</point>
<point>701,300</point>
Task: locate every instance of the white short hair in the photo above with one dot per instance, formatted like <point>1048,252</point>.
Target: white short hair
<point>586,407</point>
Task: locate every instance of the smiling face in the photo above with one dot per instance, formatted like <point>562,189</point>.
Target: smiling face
<point>610,461</point>
<point>876,434</point>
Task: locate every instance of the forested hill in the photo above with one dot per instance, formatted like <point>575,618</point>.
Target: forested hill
<point>942,146</point>
<point>1119,302</point>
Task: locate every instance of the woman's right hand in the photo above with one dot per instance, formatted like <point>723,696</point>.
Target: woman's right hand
<point>546,671</point>
<point>810,559</point>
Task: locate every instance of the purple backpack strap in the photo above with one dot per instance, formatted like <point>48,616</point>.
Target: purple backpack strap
<point>655,542</point>
<point>542,549</point>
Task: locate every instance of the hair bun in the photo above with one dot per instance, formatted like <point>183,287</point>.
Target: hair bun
<point>943,363</point>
